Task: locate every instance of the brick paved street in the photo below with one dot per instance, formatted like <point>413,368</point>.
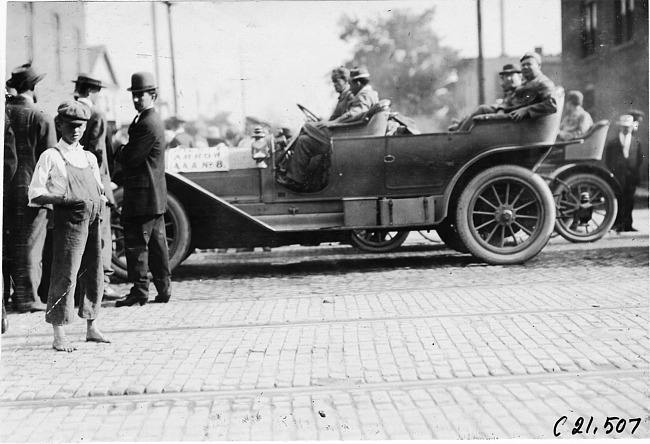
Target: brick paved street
<point>328,344</point>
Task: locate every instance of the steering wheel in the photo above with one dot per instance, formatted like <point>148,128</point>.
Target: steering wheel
<point>311,117</point>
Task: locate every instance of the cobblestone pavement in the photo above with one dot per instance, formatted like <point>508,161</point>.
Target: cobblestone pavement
<point>329,344</point>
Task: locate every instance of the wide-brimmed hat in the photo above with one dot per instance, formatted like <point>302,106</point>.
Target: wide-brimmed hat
<point>510,69</point>
<point>531,55</point>
<point>359,73</point>
<point>83,79</point>
<point>142,81</point>
<point>73,112</point>
<point>24,77</point>
<point>626,120</point>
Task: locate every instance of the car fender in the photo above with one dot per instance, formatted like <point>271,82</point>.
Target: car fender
<point>586,167</point>
<point>507,154</point>
<point>213,220</point>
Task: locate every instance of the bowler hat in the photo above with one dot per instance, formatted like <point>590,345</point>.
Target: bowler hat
<point>142,81</point>
<point>24,77</point>
<point>73,112</point>
<point>625,120</point>
<point>532,55</point>
<point>510,69</point>
<point>83,79</point>
<point>359,73</point>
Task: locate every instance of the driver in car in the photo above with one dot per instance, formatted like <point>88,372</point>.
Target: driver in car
<point>314,138</point>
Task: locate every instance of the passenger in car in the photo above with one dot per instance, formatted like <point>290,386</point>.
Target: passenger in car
<point>533,98</point>
<point>576,120</point>
<point>509,79</point>
<point>314,138</point>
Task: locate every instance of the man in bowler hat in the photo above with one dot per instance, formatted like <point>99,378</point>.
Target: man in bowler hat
<point>26,227</point>
<point>145,197</point>
<point>624,157</point>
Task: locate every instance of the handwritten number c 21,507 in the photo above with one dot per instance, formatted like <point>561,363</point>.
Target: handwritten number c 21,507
<point>612,423</point>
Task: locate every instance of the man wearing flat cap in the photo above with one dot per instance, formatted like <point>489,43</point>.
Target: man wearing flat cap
<point>145,197</point>
<point>575,119</point>
<point>67,177</point>
<point>25,226</point>
<point>314,139</point>
<point>94,140</point>
<point>624,158</point>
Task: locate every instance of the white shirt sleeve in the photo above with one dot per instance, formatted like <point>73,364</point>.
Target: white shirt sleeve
<point>49,176</point>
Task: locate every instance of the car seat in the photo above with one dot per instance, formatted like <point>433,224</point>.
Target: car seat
<point>593,145</point>
<point>373,123</point>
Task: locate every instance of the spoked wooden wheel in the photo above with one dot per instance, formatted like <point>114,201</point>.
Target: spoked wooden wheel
<point>378,241</point>
<point>177,229</point>
<point>586,207</point>
<point>505,215</point>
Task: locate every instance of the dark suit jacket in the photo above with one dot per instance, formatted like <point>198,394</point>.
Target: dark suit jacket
<point>627,171</point>
<point>143,161</point>
<point>94,140</point>
<point>34,133</point>
<point>536,94</point>
<point>11,159</point>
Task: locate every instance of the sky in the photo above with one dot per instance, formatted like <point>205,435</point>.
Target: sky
<point>284,50</point>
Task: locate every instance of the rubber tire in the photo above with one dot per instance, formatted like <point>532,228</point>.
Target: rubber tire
<point>373,247</point>
<point>540,234</point>
<point>449,235</point>
<point>175,219</point>
<point>611,207</point>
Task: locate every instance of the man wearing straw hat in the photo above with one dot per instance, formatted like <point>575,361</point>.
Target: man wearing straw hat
<point>145,197</point>
<point>624,157</point>
<point>34,132</point>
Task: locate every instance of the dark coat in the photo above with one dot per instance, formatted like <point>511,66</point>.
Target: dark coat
<point>11,159</point>
<point>94,140</point>
<point>627,171</point>
<point>536,94</point>
<point>34,133</point>
<point>143,161</point>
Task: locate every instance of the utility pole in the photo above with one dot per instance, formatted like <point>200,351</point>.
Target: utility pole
<point>503,29</point>
<point>171,48</point>
<point>155,40</point>
<point>481,76</point>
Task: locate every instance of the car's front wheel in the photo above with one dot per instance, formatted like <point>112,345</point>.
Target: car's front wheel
<point>177,227</point>
<point>505,215</point>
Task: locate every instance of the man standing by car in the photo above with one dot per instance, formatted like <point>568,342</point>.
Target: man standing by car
<point>576,120</point>
<point>624,157</point>
<point>315,138</point>
<point>34,132</point>
<point>145,197</point>
<point>94,140</point>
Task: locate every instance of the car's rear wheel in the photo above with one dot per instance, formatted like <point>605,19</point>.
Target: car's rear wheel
<point>177,227</point>
<point>378,241</point>
<point>505,215</point>
<point>586,207</point>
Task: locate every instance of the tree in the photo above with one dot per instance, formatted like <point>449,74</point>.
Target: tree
<point>406,60</point>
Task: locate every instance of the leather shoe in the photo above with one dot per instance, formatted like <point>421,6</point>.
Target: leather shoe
<point>289,183</point>
<point>130,300</point>
<point>162,299</point>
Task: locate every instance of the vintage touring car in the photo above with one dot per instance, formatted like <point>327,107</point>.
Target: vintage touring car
<point>477,188</point>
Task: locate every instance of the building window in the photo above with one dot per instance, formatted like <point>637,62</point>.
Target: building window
<point>57,28</point>
<point>624,18</point>
<point>589,26</point>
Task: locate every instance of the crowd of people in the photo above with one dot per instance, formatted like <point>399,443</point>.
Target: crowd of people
<point>57,240</point>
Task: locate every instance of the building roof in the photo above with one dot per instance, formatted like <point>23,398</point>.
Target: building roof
<point>97,53</point>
